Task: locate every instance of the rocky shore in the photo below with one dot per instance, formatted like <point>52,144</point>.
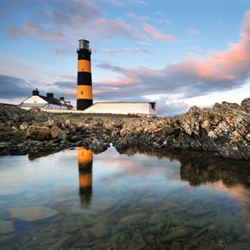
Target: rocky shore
<point>222,130</point>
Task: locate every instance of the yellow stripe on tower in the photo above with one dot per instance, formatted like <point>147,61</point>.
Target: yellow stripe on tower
<point>84,92</point>
<point>84,66</point>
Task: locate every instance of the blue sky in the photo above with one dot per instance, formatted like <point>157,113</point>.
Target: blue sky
<point>178,53</point>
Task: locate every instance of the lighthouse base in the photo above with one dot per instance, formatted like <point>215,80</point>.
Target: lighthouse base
<point>83,104</point>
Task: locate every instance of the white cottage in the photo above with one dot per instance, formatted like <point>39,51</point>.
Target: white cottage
<point>45,102</point>
<point>124,108</point>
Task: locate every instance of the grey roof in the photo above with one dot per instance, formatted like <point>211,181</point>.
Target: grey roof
<point>49,100</point>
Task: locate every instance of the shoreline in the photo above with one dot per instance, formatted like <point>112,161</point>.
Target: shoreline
<point>223,131</point>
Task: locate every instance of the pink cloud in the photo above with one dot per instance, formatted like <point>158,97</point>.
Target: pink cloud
<point>156,34</point>
<point>119,81</point>
<point>125,50</point>
<point>112,28</point>
<point>35,30</point>
<point>230,65</point>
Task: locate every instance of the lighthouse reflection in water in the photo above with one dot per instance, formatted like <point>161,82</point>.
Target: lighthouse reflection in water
<point>85,162</point>
<point>127,200</point>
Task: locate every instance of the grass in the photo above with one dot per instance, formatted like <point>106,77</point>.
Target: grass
<point>11,132</point>
<point>165,129</point>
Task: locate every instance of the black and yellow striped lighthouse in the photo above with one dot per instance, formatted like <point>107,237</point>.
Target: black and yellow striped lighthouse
<point>84,79</point>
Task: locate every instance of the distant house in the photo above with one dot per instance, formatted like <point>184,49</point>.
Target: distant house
<point>45,102</point>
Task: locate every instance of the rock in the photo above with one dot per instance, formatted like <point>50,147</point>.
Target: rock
<point>32,213</point>
<point>133,218</point>
<point>197,223</point>
<point>4,145</point>
<point>178,233</point>
<point>64,241</point>
<point>39,134</point>
<point>199,211</point>
<point>223,129</point>
<point>100,246</point>
<point>176,220</point>
<point>238,246</point>
<point>6,227</point>
<point>176,246</point>
<point>226,224</point>
<point>137,242</point>
<point>99,230</point>
<point>157,218</point>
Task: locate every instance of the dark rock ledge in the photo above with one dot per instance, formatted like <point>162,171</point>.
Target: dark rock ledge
<point>222,130</point>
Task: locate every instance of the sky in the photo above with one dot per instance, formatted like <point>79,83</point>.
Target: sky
<point>176,53</point>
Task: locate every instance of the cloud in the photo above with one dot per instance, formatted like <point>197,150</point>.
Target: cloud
<point>13,87</point>
<point>64,51</point>
<point>114,2</point>
<point>17,89</point>
<point>53,20</point>
<point>124,50</point>
<point>156,34</point>
<point>114,28</point>
<point>170,108</point>
<point>193,32</point>
<point>218,71</point>
<point>36,31</point>
<point>137,2</point>
<point>62,22</point>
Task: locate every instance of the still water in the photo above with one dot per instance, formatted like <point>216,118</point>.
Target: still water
<point>75,199</point>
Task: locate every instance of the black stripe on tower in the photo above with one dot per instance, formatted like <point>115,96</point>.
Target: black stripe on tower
<point>83,103</point>
<point>84,78</point>
<point>84,55</point>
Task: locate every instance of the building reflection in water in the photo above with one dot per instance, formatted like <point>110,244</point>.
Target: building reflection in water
<point>85,161</point>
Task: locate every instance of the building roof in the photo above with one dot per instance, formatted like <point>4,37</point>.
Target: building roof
<point>49,99</point>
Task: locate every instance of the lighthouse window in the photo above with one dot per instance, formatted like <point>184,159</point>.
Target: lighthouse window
<point>81,92</point>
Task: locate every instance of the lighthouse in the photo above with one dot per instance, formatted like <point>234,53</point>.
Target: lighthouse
<point>84,79</point>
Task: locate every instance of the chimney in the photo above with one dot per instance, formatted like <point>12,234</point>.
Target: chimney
<point>35,92</point>
<point>50,95</point>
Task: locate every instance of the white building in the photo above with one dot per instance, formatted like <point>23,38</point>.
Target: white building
<point>123,108</point>
<point>51,104</point>
<point>45,102</point>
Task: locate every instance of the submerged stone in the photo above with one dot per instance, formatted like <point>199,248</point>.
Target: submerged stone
<point>137,242</point>
<point>6,227</point>
<point>133,218</point>
<point>99,230</point>
<point>179,233</point>
<point>32,213</point>
<point>157,218</point>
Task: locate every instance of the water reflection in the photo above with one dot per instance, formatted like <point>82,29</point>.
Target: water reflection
<point>138,199</point>
<point>200,168</point>
<point>85,161</point>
